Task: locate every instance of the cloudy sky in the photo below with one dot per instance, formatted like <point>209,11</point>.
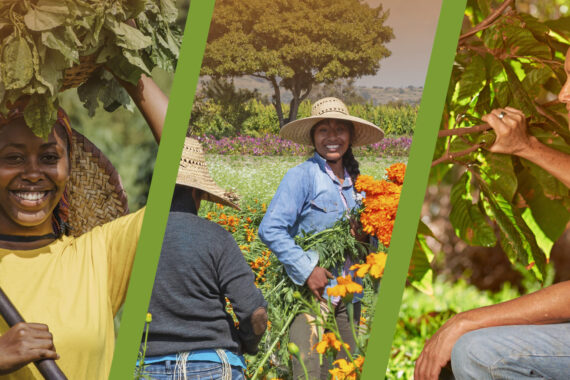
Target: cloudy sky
<point>414,23</point>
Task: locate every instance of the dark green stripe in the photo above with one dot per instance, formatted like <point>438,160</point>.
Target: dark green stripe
<point>421,153</point>
<point>162,186</point>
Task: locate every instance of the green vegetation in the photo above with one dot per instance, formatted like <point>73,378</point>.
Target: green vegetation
<point>513,60</point>
<point>296,44</point>
<point>43,39</point>
<point>208,117</point>
<point>258,177</point>
<point>421,315</point>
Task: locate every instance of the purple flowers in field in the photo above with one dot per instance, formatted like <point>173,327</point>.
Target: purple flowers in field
<point>273,145</point>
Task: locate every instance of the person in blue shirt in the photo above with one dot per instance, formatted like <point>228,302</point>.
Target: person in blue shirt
<point>312,197</point>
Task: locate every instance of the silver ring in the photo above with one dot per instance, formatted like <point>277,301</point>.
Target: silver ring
<point>502,115</point>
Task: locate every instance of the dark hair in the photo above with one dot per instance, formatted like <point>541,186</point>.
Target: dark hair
<point>348,160</point>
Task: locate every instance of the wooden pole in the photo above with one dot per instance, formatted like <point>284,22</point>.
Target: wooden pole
<point>47,367</point>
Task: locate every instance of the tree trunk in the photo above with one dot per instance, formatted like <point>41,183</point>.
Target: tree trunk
<point>277,101</point>
<point>298,97</point>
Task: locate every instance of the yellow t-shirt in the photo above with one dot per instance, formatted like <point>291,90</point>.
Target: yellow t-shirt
<point>75,286</point>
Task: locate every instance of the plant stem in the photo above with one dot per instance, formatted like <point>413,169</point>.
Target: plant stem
<point>350,310</point>
<point>272,347</point>
<point>304,368</point>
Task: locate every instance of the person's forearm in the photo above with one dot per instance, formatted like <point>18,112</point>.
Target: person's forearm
<point>152,103</point>
<point>548,305</point>
<point>555,162</point>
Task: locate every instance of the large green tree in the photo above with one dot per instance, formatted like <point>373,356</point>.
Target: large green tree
<point>295,44</point>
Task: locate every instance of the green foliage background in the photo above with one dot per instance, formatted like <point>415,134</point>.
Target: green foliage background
<point>208,118</point>
<point>514,60</point>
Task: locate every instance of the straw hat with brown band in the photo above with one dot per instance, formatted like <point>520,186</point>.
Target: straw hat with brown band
<point>193,172</point>
<point>299,130</point>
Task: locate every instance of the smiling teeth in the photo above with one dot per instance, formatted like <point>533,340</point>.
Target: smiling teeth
<point>30,196</point>
<point>332,146</point>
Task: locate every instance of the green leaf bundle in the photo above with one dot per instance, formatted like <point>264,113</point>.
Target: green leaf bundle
<point>42,40</point>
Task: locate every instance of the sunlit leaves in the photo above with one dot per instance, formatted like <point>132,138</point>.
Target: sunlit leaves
<point>514,61</point>
<point>468,220</point>
<point>41,39</point>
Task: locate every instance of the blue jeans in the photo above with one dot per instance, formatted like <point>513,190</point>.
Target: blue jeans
<point>513,353</point>
<point>195,370</point>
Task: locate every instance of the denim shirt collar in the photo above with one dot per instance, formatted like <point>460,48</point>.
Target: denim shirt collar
<point>322,165</point>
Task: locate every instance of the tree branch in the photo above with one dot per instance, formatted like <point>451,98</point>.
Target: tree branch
<point>487,22</point>
<point>464,131</point>
<point>449,156</point>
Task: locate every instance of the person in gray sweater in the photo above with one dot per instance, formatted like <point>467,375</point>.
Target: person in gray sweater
<point>191,335</point>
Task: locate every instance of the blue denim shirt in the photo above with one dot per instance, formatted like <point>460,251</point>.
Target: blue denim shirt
<point>307,199</point>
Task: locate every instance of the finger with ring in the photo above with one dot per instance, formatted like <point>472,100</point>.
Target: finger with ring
<point>502,115</point>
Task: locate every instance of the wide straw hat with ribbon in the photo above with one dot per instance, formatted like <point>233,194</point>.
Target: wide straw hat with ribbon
<point>193,172</point>
<point>299,131</point>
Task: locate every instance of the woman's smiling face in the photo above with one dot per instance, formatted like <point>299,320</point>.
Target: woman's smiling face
<point>33,175</point>
<point>331,138</point>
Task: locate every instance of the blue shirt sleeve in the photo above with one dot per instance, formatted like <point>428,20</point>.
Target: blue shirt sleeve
<point>277,229</point>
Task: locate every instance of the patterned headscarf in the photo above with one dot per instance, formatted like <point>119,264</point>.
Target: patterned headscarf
<point>60,214</point>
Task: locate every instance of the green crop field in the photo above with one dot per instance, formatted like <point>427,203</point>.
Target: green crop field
<point>257,177</point>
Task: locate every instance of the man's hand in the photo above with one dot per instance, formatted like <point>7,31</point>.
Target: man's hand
<point>318,279</point>
<point>25,343</point>
<point>437,350</point>
<point>509,125</point>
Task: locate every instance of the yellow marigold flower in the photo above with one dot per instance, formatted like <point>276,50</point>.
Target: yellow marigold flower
<point>329,341</point>
<point>345,286</point>
<point>375,263</point>
<point>347,370</point>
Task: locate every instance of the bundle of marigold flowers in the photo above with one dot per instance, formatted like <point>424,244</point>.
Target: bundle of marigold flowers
<point>381,202</point>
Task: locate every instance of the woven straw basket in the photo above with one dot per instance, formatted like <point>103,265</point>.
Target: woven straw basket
<point>79,73</point>
<point>96,195</point>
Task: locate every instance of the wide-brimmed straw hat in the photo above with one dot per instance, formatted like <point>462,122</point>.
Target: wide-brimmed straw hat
<point>96,194</point>
<point>193,172</point>
<point>299,130</point>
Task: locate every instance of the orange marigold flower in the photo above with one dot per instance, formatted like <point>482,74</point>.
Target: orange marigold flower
<point>329,341</point>
<point>345,287</point>
<point>347,370</point>
<point>375,263</point>
<point>396,173</point>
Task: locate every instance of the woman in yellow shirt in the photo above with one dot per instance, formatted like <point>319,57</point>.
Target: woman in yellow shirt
<point>66,286</point>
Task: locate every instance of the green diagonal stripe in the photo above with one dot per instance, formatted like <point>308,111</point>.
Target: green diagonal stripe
<point>162,186</point>
<point>421,153</point>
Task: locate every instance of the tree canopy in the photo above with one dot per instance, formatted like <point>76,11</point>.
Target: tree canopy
<point>295,44</point>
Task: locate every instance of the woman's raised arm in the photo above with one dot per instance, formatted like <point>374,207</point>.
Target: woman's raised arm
<point>151,101</point>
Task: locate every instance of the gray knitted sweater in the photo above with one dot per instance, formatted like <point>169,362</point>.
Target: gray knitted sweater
<point>200,265</point>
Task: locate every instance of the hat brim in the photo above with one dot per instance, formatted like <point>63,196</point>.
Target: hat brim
<point>299,131</point>
<point>213,193</point>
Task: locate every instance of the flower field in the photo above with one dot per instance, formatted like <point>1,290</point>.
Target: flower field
<point>256,179</point>
<point>273,145</point>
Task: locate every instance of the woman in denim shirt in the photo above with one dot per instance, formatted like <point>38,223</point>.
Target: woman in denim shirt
<point>312,197</point>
